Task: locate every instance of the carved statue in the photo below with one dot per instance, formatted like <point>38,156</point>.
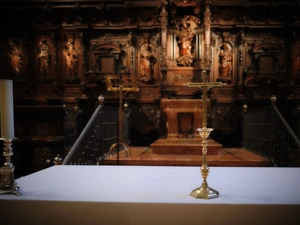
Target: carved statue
<point>16,58</point>
<point>186,40</point>
<point>71,57</point>
<point>225,67</point>
<point>147,61</point>
<point>44,59</point>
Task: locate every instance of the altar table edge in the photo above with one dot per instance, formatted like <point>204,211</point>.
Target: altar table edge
<point>37,206</point>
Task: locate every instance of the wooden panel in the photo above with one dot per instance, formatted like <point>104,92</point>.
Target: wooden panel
<point>39,134</point>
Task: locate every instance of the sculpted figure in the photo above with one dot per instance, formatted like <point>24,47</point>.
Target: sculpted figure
<point>225,61</point>
<point>15,55</point>
<point>71,57</point>
<point>147,61</point>
<point>225,67</point>
<point>44,59</point>
<point>185,38</point>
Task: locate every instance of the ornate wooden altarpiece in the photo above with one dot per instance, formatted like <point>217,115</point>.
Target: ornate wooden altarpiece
<point>58,53</point>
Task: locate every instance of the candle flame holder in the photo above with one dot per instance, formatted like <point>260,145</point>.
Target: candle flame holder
<point>204,192</point>
<point>7,180</point>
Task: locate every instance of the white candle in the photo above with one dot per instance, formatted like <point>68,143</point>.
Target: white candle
<point>7,109</point>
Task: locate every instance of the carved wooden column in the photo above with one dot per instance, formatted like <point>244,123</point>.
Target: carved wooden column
<point>241,58</point>
<point>241,64</point>
<point>207,23</point>
<point>164,22</point>
<point>130,54</point>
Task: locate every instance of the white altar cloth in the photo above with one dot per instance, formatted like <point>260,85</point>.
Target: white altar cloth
<point>153,195</point>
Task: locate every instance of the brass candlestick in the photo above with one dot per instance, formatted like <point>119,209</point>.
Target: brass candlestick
<point>7,180</point>
<point>204,192</point>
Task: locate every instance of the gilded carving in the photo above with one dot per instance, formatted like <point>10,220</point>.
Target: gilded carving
<point>207,25</point>
<point>17,56</point>
<point>71,54</point>
<point>147,60</point>
<point>185,31</point>
<point>163,36</point>
<point>163,16</point>
<point>225,60</point>
<point>45,58</point>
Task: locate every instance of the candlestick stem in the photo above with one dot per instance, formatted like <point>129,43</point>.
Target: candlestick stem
<point>204,192</point>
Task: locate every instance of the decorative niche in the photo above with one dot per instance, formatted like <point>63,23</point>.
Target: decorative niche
<point>266,58</point>
<point>104,58</point>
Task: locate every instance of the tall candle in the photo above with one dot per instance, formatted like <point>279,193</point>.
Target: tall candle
<point>7,109</point>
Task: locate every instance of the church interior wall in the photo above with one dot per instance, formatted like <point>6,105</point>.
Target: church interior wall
<point>60,53</point>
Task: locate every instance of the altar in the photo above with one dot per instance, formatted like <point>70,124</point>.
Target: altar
<point>184,117</point>
<point>135,195</point>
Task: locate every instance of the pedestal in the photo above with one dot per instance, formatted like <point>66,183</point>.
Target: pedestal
<point>183,117</point>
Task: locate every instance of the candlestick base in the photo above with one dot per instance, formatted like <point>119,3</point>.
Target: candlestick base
<point>204,192</point>
<point>7,181</point>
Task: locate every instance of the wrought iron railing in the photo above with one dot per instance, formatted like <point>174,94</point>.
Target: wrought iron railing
<point>100,133</point>
<point>267,132</point>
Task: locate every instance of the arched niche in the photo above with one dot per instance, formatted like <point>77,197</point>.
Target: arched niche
<point>104,58</point>
<point>267,57</point>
